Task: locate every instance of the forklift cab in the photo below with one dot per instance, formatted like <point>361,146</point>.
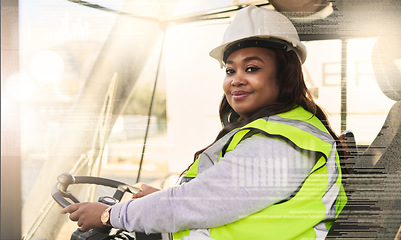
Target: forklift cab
<point>107,88</point>
<point>372,182</point>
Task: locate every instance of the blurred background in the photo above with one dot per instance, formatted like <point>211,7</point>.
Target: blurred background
<point>63,112</point>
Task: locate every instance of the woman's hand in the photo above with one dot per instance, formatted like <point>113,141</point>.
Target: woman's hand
<point>145,190</point>
<point>87,214</point>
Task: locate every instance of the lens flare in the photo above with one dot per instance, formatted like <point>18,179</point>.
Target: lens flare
<point>20,87</point>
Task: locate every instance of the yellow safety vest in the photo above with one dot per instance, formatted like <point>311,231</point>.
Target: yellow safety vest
<point>309,213</point>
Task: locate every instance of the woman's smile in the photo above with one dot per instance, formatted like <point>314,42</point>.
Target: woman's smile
<point>240,95</point>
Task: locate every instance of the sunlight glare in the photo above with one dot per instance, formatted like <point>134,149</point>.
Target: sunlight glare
<point>20,87</point>
<point>46,66</point>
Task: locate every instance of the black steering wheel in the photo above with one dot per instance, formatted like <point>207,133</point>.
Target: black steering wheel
<point>60,194</point>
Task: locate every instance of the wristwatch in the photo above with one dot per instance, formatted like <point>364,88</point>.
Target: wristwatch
<point>105,217</point>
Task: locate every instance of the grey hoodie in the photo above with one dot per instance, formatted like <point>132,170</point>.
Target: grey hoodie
<point>259,172</point>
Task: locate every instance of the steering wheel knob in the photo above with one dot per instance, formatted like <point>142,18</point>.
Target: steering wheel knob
<point>65,179</point>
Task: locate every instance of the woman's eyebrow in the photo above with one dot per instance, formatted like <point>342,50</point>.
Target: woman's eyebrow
<point>247,59</point>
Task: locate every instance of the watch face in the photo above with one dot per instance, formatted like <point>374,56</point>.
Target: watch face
<point>105,217</point>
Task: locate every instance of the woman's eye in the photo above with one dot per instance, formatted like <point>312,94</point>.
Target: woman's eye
<point>252,69</point>
<point>230,71</point>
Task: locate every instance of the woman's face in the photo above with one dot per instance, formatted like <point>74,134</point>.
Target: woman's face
<point>250,81</point>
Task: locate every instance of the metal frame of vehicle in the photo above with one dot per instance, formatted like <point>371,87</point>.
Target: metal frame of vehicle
<point>353,18</point>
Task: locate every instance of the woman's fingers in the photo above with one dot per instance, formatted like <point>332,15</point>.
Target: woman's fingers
<point>138,195</point>
<point>145,190</point>
<point>74,216</point>
<point>70,208</point>
<point>87,215</point>
<point>73,210</point>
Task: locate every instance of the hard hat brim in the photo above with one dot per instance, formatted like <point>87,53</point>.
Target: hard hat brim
<point>300,49</point>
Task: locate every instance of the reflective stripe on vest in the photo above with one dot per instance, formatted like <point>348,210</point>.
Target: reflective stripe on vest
<point>309,213</point>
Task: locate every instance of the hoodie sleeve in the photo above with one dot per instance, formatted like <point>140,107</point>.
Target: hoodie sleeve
<point>257,173</point>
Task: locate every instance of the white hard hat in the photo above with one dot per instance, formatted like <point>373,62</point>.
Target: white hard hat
<point>266,28</point>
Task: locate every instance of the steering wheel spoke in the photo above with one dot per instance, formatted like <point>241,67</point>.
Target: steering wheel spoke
<point>70,196</point>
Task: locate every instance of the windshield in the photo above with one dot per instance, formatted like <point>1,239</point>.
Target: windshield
<point>109,93</point>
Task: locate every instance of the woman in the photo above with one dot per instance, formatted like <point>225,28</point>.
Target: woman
<point>273,171</point>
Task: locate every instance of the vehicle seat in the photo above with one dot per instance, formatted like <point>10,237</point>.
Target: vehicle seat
<point>350,148</point>
<point>373,210</point>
